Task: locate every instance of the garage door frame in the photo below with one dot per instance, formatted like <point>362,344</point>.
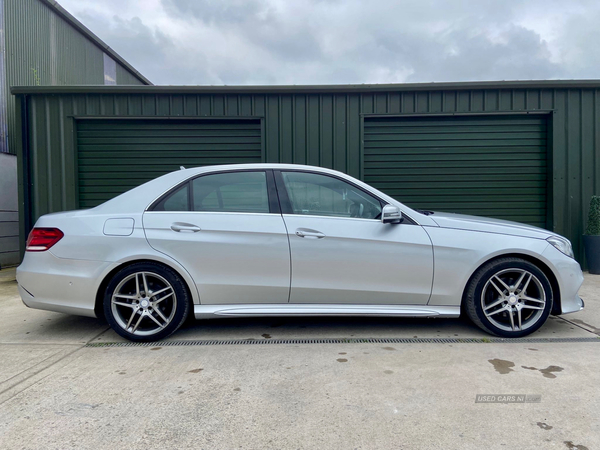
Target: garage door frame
<point>549,113</point>
<point>73,121</point>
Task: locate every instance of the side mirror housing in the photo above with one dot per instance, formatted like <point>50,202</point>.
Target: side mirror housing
<point>391,214</point>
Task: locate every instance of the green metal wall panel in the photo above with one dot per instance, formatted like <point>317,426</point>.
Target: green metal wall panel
<point>124,76</point>
<point>325,129</point>
<point>109,151</point>
<point>42,48</point>
<point>494,166</point>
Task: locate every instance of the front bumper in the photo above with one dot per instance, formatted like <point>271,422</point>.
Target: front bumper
<point>59,284</point>
<point>570,278</point>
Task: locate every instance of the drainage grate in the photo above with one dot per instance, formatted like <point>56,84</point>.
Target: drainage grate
<point>490,340</point>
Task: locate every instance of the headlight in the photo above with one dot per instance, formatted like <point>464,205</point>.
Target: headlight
<point>562,244</point>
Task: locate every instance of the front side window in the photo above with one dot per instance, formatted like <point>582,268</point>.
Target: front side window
<point>231,192</point>
<point>322,195</point>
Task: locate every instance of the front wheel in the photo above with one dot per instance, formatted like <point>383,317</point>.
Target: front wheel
<point>146,302</point>
<point>509,297</point>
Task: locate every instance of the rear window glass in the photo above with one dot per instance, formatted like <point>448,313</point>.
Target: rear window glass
<point>177,200</point>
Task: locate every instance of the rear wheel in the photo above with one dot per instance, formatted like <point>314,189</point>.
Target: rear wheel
<point>146,302</point>
<point>509,297</point>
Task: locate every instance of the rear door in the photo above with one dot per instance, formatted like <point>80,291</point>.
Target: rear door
<point>343,253</point>
<point>227,231</point>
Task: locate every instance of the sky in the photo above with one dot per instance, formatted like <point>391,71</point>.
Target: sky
<point>267,42</point>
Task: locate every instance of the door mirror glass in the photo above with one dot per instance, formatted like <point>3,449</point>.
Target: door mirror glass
<point>391,214</point>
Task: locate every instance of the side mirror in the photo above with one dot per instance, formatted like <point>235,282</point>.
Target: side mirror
<point>391,214</point>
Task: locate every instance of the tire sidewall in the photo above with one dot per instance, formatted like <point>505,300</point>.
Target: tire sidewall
<point>181,304</point>
<point>487,272</point>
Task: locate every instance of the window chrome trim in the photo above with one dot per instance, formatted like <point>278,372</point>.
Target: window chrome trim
<point>213,212</point>
<point>330,217</point>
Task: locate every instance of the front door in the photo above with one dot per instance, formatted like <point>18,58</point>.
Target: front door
<point>226,230</point>
<point>342,252</point>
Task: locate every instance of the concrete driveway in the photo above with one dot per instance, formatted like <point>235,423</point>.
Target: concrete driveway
<point>66,383</point>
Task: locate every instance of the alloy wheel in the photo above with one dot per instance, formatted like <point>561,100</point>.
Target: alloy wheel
<point>143,303</point>
<point>513,299</point>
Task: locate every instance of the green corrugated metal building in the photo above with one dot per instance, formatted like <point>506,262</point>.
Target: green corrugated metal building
<point>42,44</point>
<point>524,151</point>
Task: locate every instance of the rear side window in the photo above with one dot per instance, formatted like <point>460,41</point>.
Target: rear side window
<point>231,192</point>
<point>177,200</point>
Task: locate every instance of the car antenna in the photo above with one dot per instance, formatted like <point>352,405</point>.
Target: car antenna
<point>181,168</point>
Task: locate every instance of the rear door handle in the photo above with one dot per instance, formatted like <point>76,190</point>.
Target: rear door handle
<point>307,233</point>
<point>185,227</point>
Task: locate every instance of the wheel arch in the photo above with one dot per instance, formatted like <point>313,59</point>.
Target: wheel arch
<point>556,297</point>
<point>98,303</point>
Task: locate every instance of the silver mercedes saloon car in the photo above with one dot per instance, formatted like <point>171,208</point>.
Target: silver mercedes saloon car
<point>287,240</point>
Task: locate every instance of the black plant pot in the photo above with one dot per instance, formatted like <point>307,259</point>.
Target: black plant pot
<point>592,253</point>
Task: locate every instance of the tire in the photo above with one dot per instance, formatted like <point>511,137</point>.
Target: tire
<point>506,293</point>
<point>146,302</point>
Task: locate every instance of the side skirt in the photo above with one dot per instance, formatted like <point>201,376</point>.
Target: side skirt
<point>299,310</point>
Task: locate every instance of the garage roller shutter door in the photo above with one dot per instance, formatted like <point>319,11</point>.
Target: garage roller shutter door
<point>117,155</point>
<point>492,166</point>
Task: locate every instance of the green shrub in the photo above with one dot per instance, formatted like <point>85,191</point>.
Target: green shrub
<point>593,227</point>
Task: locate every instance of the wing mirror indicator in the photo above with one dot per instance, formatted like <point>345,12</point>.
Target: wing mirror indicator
<point>391,214</point>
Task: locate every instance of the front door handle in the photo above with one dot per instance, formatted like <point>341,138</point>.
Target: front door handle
<point>185,227</point>
<point>308,233</point>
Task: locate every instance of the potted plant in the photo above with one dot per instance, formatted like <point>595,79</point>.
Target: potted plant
<point>591,239</point>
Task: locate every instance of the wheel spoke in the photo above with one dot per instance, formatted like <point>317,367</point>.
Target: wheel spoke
<point>512,319</point>
<point>130,305</point>
<point>500,291</point>
<point>162,316</point>
<point>519,319</point>
<point>496,303</point>
<point>128,297</point>
<point>137,324</point>
<point>525,306</point>
<point>502,282</point>
<point>518,283</point>
<point>162,298</point>
<point>145,283</point>
<point>156,321</point>
<point>154,294</point>
<point>504,308</point>
<point>131,319</point>
<point>527,283</point>
<point>531,299</point>
<point>137,285</point>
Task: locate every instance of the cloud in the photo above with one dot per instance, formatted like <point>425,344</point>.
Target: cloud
<point>347,41</point>
<point>208,11</point>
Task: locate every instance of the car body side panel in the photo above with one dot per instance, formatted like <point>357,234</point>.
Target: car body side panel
<point>233,258</point>
<point>359,261</point>
<point>459,253</point>
<point>87,255</point>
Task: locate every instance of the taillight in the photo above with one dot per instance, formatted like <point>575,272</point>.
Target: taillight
<point>41,239</point>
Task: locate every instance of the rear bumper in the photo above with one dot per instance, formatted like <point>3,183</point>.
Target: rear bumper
<point>58,284</point>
